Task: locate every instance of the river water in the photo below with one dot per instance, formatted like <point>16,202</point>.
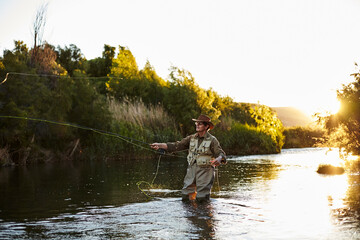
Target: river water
<point>276,196</point>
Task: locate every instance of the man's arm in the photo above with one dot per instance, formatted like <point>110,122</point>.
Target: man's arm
<point>218,153</point>
<point>173,146</point>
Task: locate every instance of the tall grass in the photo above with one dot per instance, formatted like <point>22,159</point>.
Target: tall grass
<point>138,114</point>
<point>137,121</point>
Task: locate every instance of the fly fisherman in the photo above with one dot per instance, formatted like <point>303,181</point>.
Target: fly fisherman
<point>205,153</point>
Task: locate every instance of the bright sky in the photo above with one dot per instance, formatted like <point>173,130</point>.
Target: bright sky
<point>276,52</point>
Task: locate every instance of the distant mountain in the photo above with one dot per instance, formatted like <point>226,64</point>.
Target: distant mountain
<point>291,117</point>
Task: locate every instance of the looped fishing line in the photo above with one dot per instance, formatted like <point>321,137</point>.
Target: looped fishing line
<point>152,182</point>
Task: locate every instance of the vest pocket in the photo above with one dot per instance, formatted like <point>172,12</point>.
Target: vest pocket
<point>192,146</point>
<point>203,160</point>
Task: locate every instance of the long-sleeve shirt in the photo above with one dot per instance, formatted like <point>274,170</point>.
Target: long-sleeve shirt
<point>185,142</point>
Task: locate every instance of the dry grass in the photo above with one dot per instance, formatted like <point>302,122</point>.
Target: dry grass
<point>139,114</point>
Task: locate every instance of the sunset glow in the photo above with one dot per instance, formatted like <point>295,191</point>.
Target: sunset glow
<point>278,53</point>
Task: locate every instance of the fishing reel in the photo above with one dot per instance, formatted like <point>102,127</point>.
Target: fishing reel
<point>161,151</point>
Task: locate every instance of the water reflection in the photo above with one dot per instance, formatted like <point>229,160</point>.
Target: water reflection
<point>261,197</point>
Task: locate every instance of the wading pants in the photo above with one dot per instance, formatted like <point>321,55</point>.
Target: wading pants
<point>199,179</point>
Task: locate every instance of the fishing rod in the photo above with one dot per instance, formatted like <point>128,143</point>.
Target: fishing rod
<point>161,151</point>
<point>103,132</point>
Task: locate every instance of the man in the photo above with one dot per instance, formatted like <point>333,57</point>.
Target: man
<point>205,153</point>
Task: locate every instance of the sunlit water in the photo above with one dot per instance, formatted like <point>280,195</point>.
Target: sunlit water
<point>260,197</point>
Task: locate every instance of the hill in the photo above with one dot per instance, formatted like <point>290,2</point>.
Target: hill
<point>291,116</point>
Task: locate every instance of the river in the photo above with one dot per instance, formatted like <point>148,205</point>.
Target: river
<point>277,196</point>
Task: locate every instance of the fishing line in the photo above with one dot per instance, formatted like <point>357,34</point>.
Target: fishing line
<point>53,75</point>
<point>99,131</point>
<point>217,178</point>
<point>147,183</point>
<point>5,79</point>
<point>110,134</point>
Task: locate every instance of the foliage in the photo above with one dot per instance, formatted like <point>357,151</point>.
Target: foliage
<point>147,123</point>
<point>249,138</point>
<point>16,60</point>
<point>127,82</point>
<point>242,139</point>
<point>101,67</point>
<point>51,97</point>
<point>184,100</point>
<point>267,122</point>
<point>70,58</point>
<point>111,93</point>
<point>301,137</point>
<point>151,85</point>
<point>344,126</point>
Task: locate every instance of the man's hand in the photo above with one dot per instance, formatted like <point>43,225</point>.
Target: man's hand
<point>216,161</point>
<point>157,146</point>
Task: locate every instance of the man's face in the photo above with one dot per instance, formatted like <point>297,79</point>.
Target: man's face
<point>200,127</point>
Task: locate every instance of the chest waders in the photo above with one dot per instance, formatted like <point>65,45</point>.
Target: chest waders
<point>200,174</point>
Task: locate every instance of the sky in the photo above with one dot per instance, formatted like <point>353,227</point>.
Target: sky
<point>275,52</point>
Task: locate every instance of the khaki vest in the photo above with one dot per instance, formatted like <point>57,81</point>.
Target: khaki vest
<point>201,154</point>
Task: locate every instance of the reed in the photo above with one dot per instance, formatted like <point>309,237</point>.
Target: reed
<point>138,114</point>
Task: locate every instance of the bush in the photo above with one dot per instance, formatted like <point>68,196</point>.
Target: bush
<point>242,139</point>
<point>301,137</point>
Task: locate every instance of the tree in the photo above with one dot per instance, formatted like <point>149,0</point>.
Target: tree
<point>344,126</point>
<point>101,66</point>
<point>18,59</point>
<point>267,122</point>
<point>185,100</point>
<point>151,85</point>
<point>38,30</point>
<point>70,58</point>
<point>124,65</point>
<point>124,80</point>
<point>45,60</point>
<point>108,55</point>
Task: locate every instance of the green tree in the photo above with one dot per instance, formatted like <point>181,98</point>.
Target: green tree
<point>151,85</point>
<point>16,60</point>
<point>124,76</point>
<point>71,58</point>
<point>268,123</point>
<point>181,99</point>
<point>108,55</point>
<point>101,66</point>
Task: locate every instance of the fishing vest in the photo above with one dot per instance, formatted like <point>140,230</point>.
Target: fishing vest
<point>200,153</point>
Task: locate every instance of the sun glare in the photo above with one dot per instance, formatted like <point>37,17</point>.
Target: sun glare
<point>334,107</point>
<point>331,106</point>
